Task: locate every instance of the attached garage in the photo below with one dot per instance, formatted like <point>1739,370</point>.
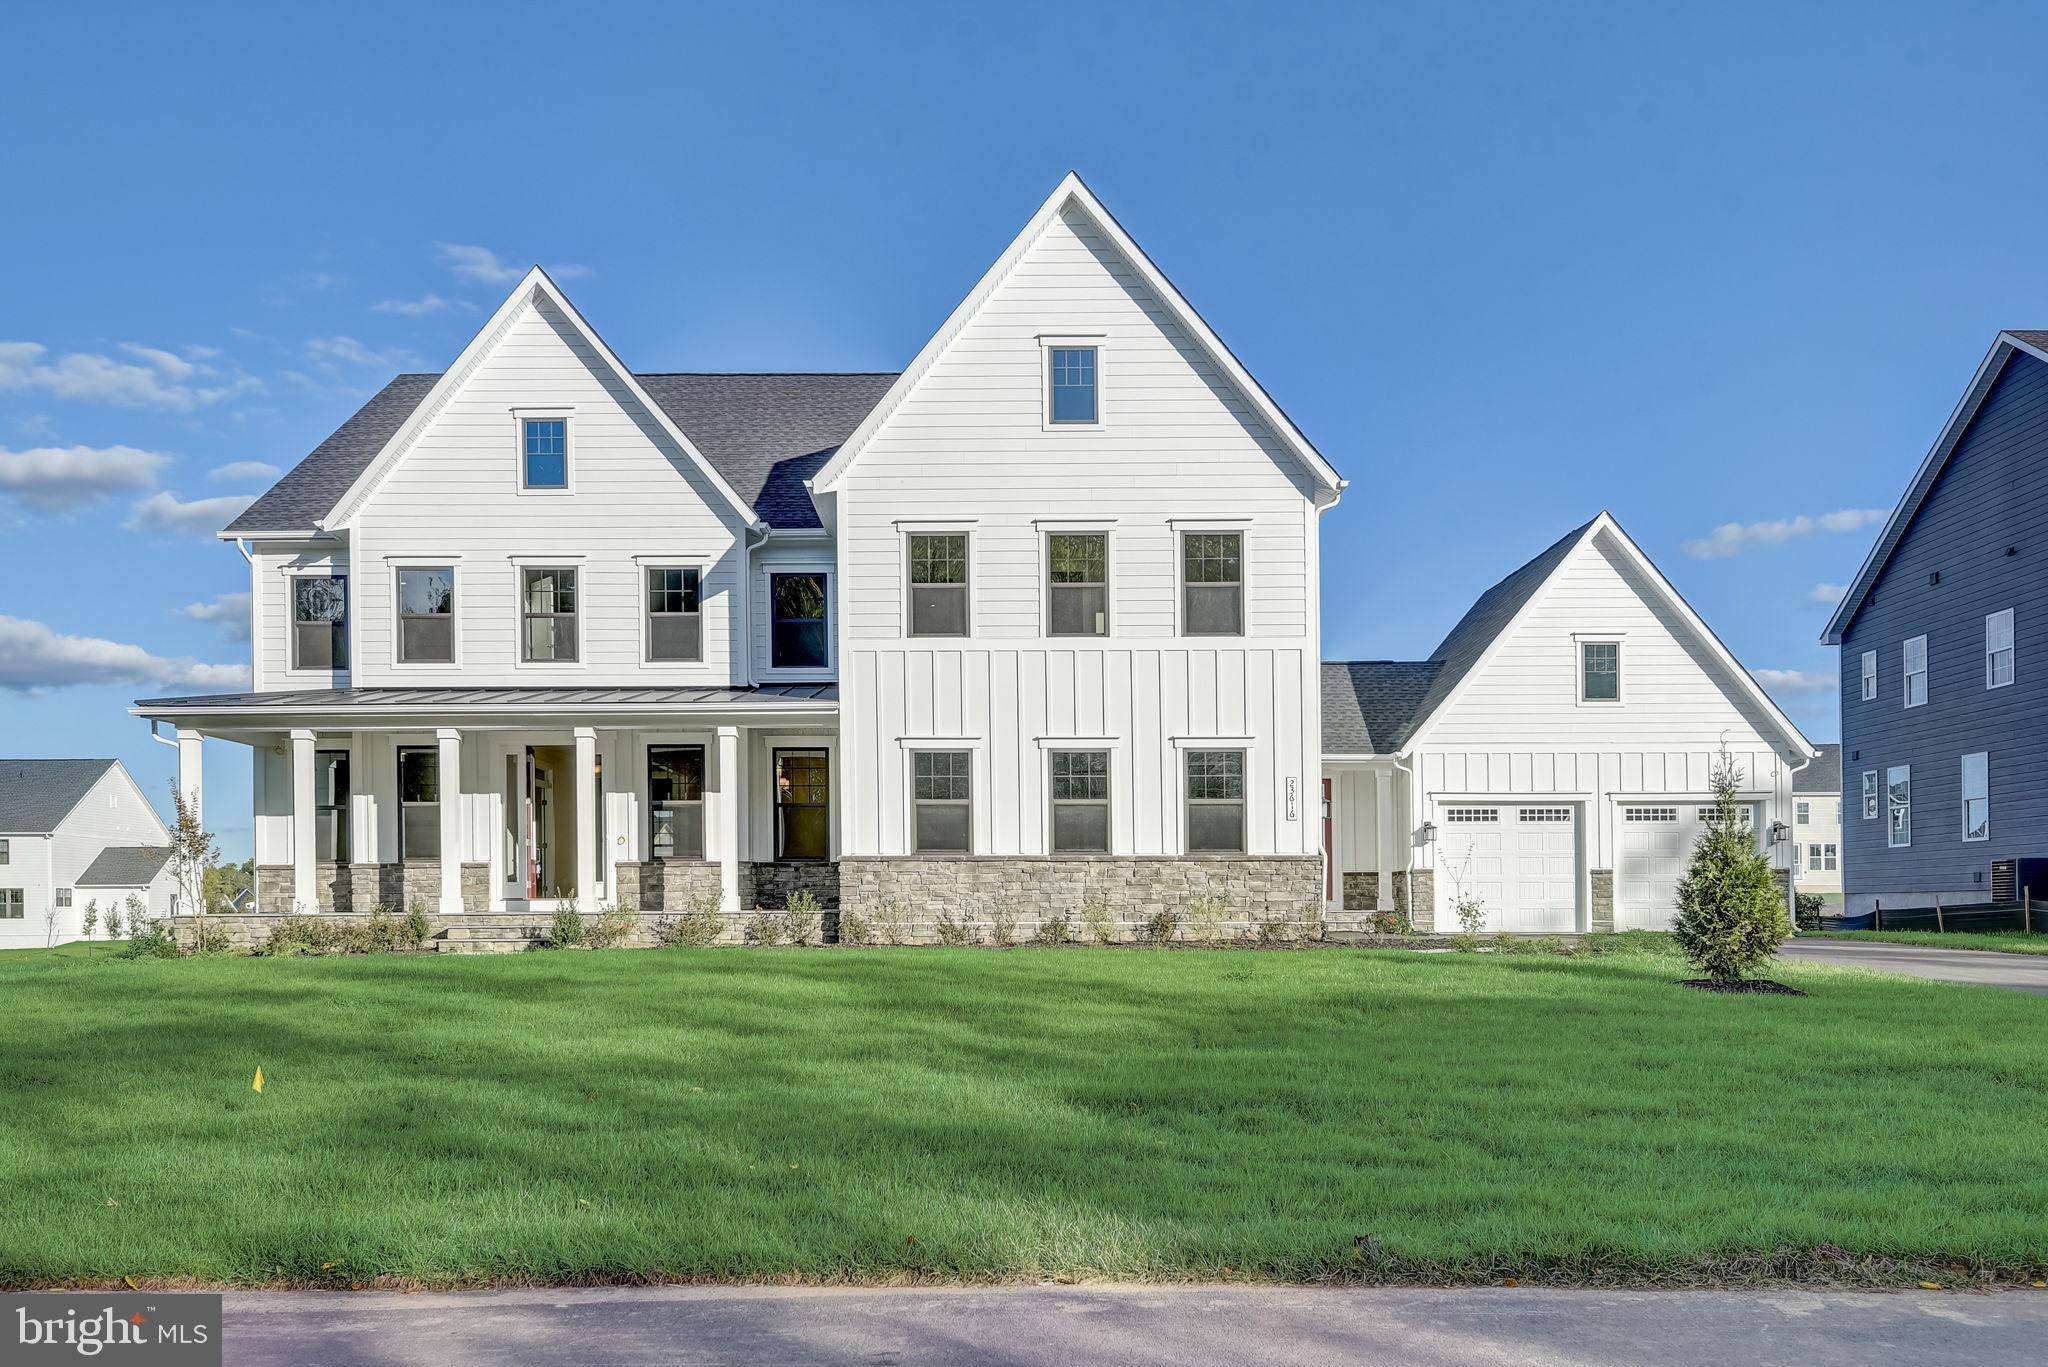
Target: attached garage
<point>1655,842</point>
<point>1520,862</point>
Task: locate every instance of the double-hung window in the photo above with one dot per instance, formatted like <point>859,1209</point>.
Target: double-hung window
<point>1080,801</point>
<point>1804,813</point>
<point>1821,858</point>
<point>1915,656</point>
<point>1073,396</point>
<point>1898,785</point>
<point>6,852</point>
<point>798,637</point>
<point>330,805</point>
<point>1977,797</point>
<point>63,897</point>
<point>426,615</point>
<point>1077,583</point>
<point>1212,583</point>
<point>803,804</point>
<point>320,621</point>
<point>1869,676</point>
<point>12,904</point>
<point>942,801</point>
<point>1998,649</point>
<point>1870,794</point>
<point>675,801</point>
<point>1599,671</point>
<point>1215,796</point>
<point>547,610</point>
<point>938,584</point>
<point>675,620</point>
<point>419,802</point>
<point>544,453</point>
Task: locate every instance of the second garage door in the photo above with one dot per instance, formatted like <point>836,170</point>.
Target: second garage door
<point>1657,841</point>
<point>1522,863</point>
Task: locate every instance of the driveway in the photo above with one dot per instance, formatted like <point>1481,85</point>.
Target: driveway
<point>2021,972</point>
<point>1058,1326</point>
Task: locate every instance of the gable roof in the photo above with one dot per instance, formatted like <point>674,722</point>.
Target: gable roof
<point>1071,191</point>
<point>124,866</point>
<point>2011,342</point>
<point>1824,775</point>
<point>1370,706</point>
<point>766,434</point>
<point>37,794</point>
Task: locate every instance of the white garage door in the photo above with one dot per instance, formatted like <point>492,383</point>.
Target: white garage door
<point>1522,863</point>
<point>1657,841</point>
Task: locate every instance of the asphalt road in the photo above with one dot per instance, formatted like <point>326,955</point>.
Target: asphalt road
<point>1183,1326</point>
<point>2021,972</point>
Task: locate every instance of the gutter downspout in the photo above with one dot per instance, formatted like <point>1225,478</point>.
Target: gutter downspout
<point>1792,882</point>
<point>1411,793</point>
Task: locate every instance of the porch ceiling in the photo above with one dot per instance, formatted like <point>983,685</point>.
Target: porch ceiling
<point>453,706</point>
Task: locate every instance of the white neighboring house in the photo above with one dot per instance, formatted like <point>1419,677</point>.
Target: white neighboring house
<point>74,831</point>
<point>1817,822</point>
<point>1552,757</point>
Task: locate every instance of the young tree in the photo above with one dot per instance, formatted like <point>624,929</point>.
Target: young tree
<point>1731,914</point>
<point>192,856</point>
<point>113,920</point>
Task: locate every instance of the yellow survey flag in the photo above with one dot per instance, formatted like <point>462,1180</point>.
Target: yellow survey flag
<point>257,1085</point>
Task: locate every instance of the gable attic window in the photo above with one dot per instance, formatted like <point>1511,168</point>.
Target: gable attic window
<point>1072,396</point>
<point>1599,671</point>
<point>320,621</point>
<point>544,453</point>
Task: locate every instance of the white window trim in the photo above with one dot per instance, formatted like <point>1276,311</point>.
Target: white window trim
<point>1099,341</point>
<point>644,563</point>
<point>1182,527</point>
<point>292,574</point>
<point>1873,795</point>
<point>520,565</point>
<point>768,671</point>
<point>393,565</point>
<point>977,791</point>
<point>1964,795</point>
<point>567,417</point>
<point>1802,812</point>
<point>1254,795</point>
<point>1047,530</point>
<point>1582,639</point>
<point>1869,676</point>
<point>1907,671</point>
<point>905,531</point>
<point>1118,844</point>
<point>1890,830</point>
<point>2011,648</point>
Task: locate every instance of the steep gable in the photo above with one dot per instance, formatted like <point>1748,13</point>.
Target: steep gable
<point>37,794</point>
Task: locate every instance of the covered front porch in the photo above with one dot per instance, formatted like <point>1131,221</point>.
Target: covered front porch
<point>472,801</point>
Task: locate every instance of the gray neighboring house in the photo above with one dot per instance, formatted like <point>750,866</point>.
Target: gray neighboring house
<point>1942,694</point>
<point>74,832</point>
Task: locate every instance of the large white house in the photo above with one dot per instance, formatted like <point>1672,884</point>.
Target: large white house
<point>74,832</point>
<point>1033,622</point>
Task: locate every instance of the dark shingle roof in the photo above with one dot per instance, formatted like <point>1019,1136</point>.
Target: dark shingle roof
<point>764,434</point>
<point>124,866</point>
<point>36,794</point>
<point>2031,336</point>
<point>1824,775</point>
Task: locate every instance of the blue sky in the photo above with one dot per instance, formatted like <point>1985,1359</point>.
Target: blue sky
<point>1505,265</point>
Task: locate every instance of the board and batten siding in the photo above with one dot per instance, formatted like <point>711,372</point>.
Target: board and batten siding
<point>1992,496</point>
<point>1178,449</point>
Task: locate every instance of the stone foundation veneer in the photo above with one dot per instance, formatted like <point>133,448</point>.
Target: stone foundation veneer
<point>1420,908</point>
<point>1603,900</point>
<point>770,885</point>
<point>359,888</point>
<point>1361,892</point>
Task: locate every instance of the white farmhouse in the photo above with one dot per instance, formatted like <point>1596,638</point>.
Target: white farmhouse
<point>74,832</point>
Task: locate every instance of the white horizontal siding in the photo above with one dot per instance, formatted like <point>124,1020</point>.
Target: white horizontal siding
<point>273,567</point>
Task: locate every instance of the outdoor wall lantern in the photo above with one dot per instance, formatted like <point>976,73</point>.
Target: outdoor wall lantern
<point>1429,833</point>
<point>1779,832</point>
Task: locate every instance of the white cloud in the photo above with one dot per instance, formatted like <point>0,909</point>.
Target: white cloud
<point>229,612</point>
<point>1733,538</point>
<point>60,478</point>
<point>1826,594</point>
<point>161,380</point>
<point>236,470</point>
<point>1794,680</point>
<point>481,266</point>
<point>163,512</point>
<point>34,658</point>
<point>414,308</point>
<point>330,350</point>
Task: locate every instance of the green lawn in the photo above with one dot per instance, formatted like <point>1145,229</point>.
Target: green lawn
<point>2003,941</point>
<point>970,1114</point>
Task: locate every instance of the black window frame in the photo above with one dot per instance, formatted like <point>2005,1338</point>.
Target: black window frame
<point>924,777</point>
<point>1062,791</point>
<point>330,817</point>
<point>929,597</point>
<point>528,614</point>
<point>657,804</point>
<point>818,786</point>
<point>688,590</point>
<point>1057,588</point>
<point>406,616</point>
<point>1209,775</point>
<point>337,627</point>
<point>407,805</point>
<point>784,631</point>
<point>1199,551</point>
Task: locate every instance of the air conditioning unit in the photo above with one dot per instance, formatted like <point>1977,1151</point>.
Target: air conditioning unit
<point>2030,878</point>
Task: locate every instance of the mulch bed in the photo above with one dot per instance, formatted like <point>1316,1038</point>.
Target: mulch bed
<point>1764,985</point>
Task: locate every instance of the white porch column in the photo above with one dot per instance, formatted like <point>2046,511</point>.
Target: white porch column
<point>305,895</point>
<point>589,879</point>
<point>731,784</point>
<point>362,802</point>
<point>191,785</point>
<point>448,741</point>
<point>1384,834</point>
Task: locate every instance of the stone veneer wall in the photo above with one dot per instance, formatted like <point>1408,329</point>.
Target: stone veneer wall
<point>1603,900</point>
<point>770,885</point>
<point>667,886</point>
<point>1415,898</point>
<point>358,888</point>
<point>1361,891</point>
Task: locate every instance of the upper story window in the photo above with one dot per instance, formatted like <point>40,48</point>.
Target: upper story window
<point>547,612</point>
<point>1080,801</point>
<point>675,801</point>
<point>1977,796</point>
<point>1916,671</point>
<point>544,453</point>
<point>942,801</point>
<point>675,620</point>
<point>1870,794</point>
<point>1212,583</point>
<point>797,634</point>
<point>938,584</point>
<point>1898,782</point>
<point>320,621</point>
<point>1073,396</point>
<point>1077,583</point>
<point>426,615</point>
<point>1600,671</point>
<point>1998,649</point>
<point>6,853</point>
<point>1869,676</point>
<point>1215,797</point>
<point>1804,812</point>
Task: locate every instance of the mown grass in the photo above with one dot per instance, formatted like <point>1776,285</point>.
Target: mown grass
<point>2001,941</point>
<point>942,1114</point>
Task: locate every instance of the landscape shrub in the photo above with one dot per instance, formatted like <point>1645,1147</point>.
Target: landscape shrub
<point>415,929</point>
<point>612,928</point>
<point>147,938</point>
<point>1056,929</point>
<point>1310,925</point>
<point>1808,907</point>
<point>762,928</point>
<point>1731,914</point>
<point>210,939</point>
<point>953,930</point>
<point>382,929</point>
<point>566,930</point>
<point>1101,925</point>
<point>1392,923</point>
<point>855,929</point>
<point>801,922</point>
<point>1002,925</point>
<point>698,926</point>
<point>295,934</point>
<point>1161,927</point>
<point>1272,929</point>
<point>892,922</point>
<point>1205,917</point>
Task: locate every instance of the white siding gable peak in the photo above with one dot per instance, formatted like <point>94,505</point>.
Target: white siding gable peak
<point>536,288</point>
<point>1072,192</point>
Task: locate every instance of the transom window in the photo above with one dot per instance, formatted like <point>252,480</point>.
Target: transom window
<point>1870,794</point>
<point>545,453</point>
<point>803,804</point>
<point>12,904</point>
<point>1080,801</point>
<point>1898,784</point>
<point>320,621</point>
<point>1998,649</point>
<point>1212,583</point>
<point>1600,671</point>
<point>1916,671</point>
<point>797,635</point>
<point>942,801</point>
<point>330,805</point>
<point>1077,583</point>
<point>426,615</point>
<point>675,801</point>
<point>938,584</point>
<point>675,620</point>
<point>1471,816</point>
<point>1977,797</point>
<point>1215,780</point>
<point>419,803</point>
<point>1072,373</point>
<point>1869,676</point>
<point>548,600</point>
